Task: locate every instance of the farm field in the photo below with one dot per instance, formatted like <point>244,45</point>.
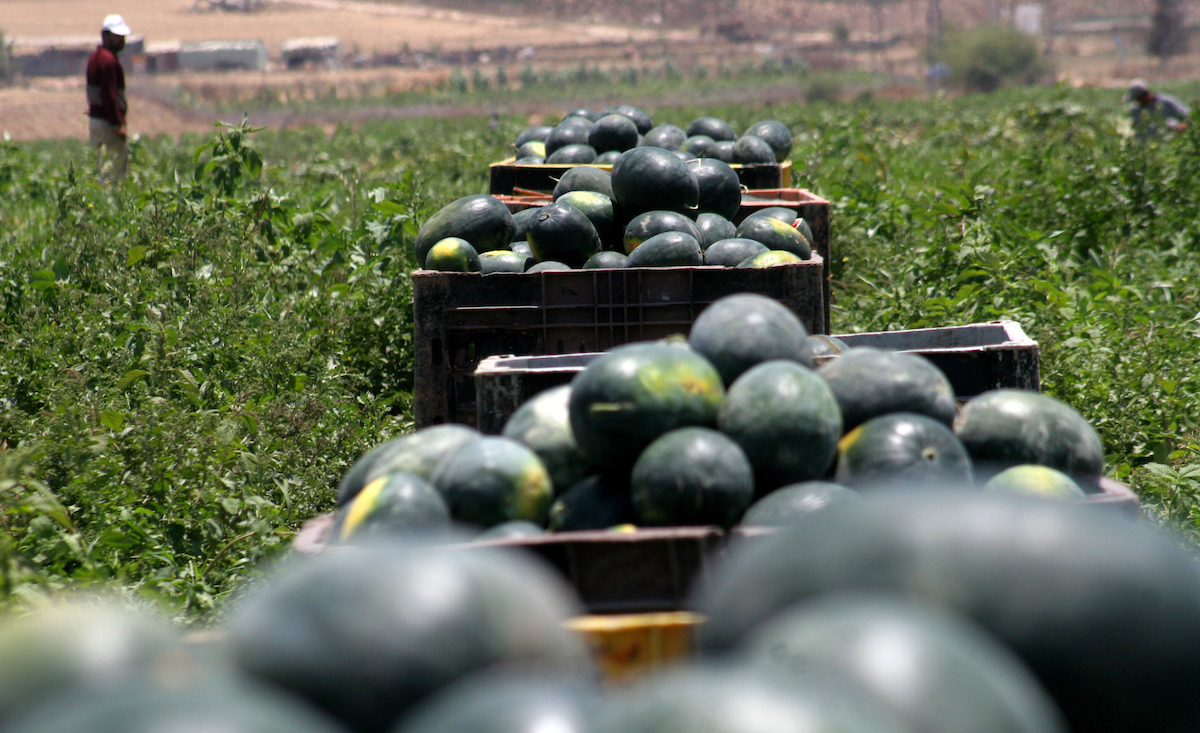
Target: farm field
<point>191,360</point>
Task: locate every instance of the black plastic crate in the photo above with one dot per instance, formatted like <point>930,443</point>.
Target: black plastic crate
<point>976,358</point>
<point>462,318</point>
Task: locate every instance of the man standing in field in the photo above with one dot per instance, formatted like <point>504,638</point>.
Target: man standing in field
<point>106,98</point>
<point>1155,108</point>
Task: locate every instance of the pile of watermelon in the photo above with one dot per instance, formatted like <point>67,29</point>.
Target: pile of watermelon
<point>659,206</point>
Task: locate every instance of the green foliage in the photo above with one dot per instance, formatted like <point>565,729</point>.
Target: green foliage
<point>984,57</point>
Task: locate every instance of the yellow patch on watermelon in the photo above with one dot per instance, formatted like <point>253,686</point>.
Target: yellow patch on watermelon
<point>849,439</point>
<point>362,506</point>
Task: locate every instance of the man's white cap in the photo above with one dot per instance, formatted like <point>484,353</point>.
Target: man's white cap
<point>115,25</point>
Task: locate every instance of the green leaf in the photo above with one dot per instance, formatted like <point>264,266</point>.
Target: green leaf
<point>42,279</point>
<point>136,255</point>
<point>112,420</point>
<point>131,377</point>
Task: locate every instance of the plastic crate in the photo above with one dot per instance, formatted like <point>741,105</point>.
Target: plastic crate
<point>812,207</point>
<point>628,646</point>
<point>505,177</point>
<point>976,358</point>
<point>462,318</point>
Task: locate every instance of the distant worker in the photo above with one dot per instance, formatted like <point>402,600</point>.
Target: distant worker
<point>1148,109</point>
<point>106,99</point>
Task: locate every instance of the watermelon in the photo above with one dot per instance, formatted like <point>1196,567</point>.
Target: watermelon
<point>720,187</point>
<point>550,266</point>
<point>776,234</point>
<point>868,383</point>
<point>571,131</point>
<point>544,424</point>
<point>608,157</point>
<point>597,502</point>
<point>452,254</point>
<point>646,179</point>
<point>782,506</point>
<point>562,233</point>
<point>738,331</point>
<point>640,118</point>
<point>713,228</point>
<point>504,261</point>
<point>512,529</point>
<point>613,132</point>
<point>667,137</point>
<point>606,260</point>
<point>770,258</point>
<point>650,223</point>
<point>782,213</point>
<point>903,449</point>
<point>581,113</point>
<point>786,420</point>
<point>669,249</point>
<point>532,149</point>
<point>417,454</point>
<point>775,134</point>
<point>934,670</point>
<point>572,154</point>
<point>683,155</point>
<point>521,221</point>
<point>598,208</point>
<point>398,502</point>
<point>712,127</point>
<point>522,249</point>
<point>733,252</point>
<point>492,480</point>
<point>691,476</point>
<point>510,703</point>
<point>721,150</point>
<point>539,133</point>
<point>696,145</point>
<point>1035,481</point>
<point>584,178</point>
<point>530,160</point>
<point>366,634</point>
<point>1004,428</point>
<point>632,394</point>
<point>1103,610</point>
<point>482,220</point>
<point>819,347</point>
<point>751,150</point>
<point>714,698</point>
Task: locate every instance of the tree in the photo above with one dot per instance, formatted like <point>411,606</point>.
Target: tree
<point>1168,36</point>
<point>876,22</point>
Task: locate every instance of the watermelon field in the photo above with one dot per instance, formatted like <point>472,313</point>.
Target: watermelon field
<point>190,361</point>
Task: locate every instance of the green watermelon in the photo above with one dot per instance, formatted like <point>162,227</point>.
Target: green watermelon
<point>512,529</point>
<point>608,157</point>
<point>572,154</point>
<point>538,133</point>
<point>669,249</point>
<point>648,179</point>
<point>714,128</point>
<point>733,252</point>
<point>640,118</point>
<point>786,420</point>
<point>782,213</point>
<point>571,131</point>
<point>550,266</point>
<point>720,187</point>
<point>584,178</point>
<point>903,449</point>
<point>934,670</point>
<point>544,424</point>
<point>819,347</point>
<point>504,261</point>
<point>738,331</point>
<point>696,145</point>
<point>597,502</point>
<point>721,150</point>
<point>452,255</point>
<point>777,235</point>
<point>1035,481</point>
<point>598,208</point>
<point>510,703</point>
<point>482,220</point>
<point>650,223</point>
<point>521,249</point>
<point>613,132</point>
<point>667,137</point>
<point>530,160</point>
<point>532,149</point>
<point>775,134</point>
<point>398,502</point>
<point>417,454</point>
<point>583,114</point>
<point>691,476</point>
<point>1004,428</point>
<point>869,382</point>
<point>521,221</point>
<point>492,480</point>
<point>1103,610</point>
<point>770,258</point>
<point>366,634</point>
<point>563,233</point>
<point>784,505</point>
<point>630,395</point>
<point>752,150</point>
<point>683,155</point>
<point>606,260</point>
<point>713,228</point>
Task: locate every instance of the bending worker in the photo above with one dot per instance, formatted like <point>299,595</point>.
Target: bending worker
<point>1149,109</point>
<point>106,98</point>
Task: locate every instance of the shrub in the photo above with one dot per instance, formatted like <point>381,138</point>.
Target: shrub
<point>984,58</point>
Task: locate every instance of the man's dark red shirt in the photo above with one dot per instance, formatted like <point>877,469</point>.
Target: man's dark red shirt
<point>106,87</point>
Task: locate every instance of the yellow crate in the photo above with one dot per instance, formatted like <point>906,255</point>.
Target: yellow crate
<point>627,646</point>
